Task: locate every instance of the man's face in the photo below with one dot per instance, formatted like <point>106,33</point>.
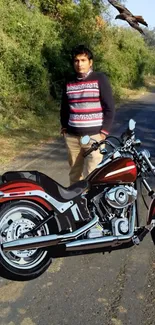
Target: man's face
<point>82,64</point>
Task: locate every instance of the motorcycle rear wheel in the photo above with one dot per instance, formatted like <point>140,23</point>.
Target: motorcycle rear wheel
<point>16,218</point>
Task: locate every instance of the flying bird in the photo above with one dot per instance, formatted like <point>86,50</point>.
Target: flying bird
<point>125,14</point>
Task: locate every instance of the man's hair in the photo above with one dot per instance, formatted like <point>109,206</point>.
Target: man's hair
<point>81,49</point>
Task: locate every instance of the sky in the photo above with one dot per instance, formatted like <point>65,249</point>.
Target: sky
<point>145,8</point>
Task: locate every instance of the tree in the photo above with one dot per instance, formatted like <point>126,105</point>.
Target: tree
<point>150,37</point>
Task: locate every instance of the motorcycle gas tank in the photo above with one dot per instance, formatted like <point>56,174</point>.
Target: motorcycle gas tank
<point>119,170</point>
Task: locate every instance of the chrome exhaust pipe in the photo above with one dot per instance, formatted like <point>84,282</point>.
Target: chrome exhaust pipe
<point>45,241</point>
<point>96,243</point>
<point>101,242</point>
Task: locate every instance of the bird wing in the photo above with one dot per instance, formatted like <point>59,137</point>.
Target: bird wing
<point>135,25</point>
<point>120,8</point>
<point>141,20</point>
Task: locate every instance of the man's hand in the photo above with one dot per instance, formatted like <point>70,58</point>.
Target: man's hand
<point>63,131</point>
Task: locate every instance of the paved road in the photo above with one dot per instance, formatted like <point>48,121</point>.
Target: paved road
<point>110,289</point>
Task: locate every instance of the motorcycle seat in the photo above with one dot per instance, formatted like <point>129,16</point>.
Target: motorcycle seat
<point>50,186</point>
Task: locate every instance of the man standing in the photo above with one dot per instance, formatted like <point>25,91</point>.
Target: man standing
<point>87,108</point>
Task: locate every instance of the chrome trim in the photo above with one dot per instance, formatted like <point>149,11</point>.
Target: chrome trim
<point>100,242</point>
<point>84,244</point>
<point>49,240</point>
<point>76,212</point>
<point>60,206</point>
<point>147,186</point>
<point>114,199</point>
<point>1,194</point>
<point>147,160</point>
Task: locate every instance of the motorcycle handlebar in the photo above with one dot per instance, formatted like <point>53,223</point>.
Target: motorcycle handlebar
<point>128,134</point>
<point>96,145</point>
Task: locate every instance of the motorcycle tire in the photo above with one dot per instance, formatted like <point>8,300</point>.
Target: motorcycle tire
<point>16,218</point>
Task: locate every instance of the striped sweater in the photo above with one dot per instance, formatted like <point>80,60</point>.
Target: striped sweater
<point>87,105</point>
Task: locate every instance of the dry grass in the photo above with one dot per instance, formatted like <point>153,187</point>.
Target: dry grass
<point>22,135</point>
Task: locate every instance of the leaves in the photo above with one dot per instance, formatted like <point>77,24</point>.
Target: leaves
<point>35,49</point>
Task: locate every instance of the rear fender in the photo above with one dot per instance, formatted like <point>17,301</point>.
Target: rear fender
<point>21,190</point>
<point>31,191</point>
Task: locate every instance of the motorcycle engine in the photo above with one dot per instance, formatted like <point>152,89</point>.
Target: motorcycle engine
<point>113,204</point>
<point>120,196</point>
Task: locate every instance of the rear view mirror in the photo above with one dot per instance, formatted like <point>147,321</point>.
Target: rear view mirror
<point>132,124</point>
<point>85,140</point>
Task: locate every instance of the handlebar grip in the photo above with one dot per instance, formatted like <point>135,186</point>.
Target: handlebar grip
<point>85,154</point>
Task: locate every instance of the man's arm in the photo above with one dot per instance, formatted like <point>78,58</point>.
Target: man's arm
<point>64,111</point>
<point>107,102</point>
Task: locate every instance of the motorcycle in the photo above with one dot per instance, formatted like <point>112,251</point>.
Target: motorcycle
<point>41,220</point>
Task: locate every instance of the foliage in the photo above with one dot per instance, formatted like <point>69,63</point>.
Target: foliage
<point>24,78</point>
<point>150,37</point>
<point>35,47</point>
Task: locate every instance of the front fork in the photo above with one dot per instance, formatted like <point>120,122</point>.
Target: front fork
<point>151,219</point>
<point>150,226</point>
<point>136,204</point>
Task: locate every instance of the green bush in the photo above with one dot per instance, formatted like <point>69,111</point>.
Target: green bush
<point>35,47</point>
<point>24,76</point>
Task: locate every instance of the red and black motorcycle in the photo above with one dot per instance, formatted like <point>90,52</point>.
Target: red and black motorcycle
<point>40,219</point>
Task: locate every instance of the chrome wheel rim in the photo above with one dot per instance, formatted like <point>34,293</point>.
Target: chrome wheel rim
<point>15,222</point>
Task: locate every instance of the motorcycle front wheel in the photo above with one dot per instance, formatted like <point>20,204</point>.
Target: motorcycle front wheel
<point>15,219</point>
